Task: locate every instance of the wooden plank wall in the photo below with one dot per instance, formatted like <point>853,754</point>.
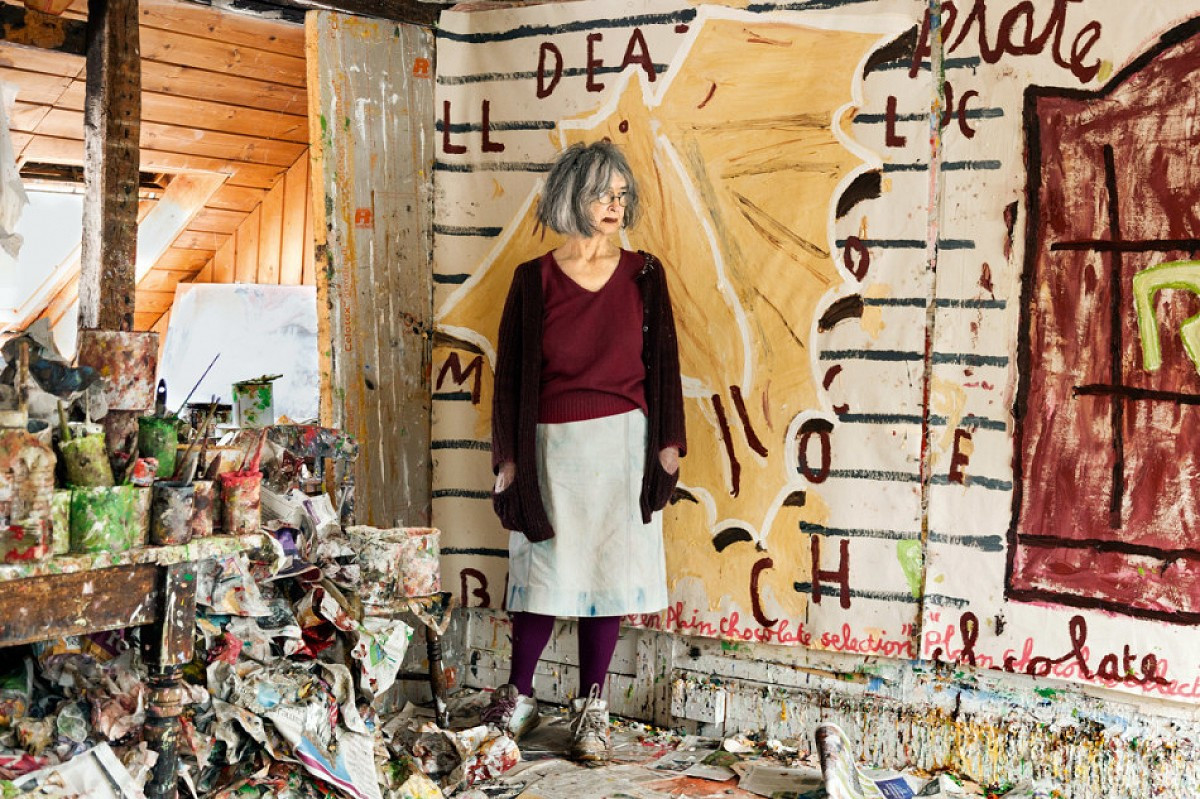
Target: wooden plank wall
<point>272,244</point>
<point>221,93</point>
<point>373,82</point>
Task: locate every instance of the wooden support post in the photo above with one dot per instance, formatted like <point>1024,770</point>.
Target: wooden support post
<point>112,125</point>
<point>167,646</point>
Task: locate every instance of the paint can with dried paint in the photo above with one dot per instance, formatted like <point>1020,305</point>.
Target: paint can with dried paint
<point>240,497</point>
<point>24,540</point>
<point>395,563</point>
<point>171,513</point>
<point>158,437</point>
<point>145,495</point>
<point>85,459</point>
<point>60,522</point>
<point>104,518</point>
<point>254,402</point>
<point>128,362</point>
<point>203,508</point>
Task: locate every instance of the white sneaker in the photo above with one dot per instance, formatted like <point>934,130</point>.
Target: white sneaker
<point>589,728</point>
<point>511,712</point>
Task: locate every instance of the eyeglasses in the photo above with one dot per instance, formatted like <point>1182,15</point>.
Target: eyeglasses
<point>608,197</point>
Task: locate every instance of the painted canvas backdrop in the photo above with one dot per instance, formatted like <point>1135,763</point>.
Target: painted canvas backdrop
<point>866,302</point>
<point>256,330</point>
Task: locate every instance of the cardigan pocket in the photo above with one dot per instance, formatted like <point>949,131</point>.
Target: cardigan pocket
<point>662,485</point>
<point>507,504</point>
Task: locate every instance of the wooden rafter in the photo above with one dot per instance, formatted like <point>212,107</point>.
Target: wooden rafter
<point>30,28</point>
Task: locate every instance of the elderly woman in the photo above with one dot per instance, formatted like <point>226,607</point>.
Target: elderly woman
<point>587,433</point>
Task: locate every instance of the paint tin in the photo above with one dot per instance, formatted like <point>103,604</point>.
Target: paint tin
<point>158,438</point>
<point>86,461</point>
<point>203,507</point>
<point>254,402</point>
<point>26,478</point>
<point>24,541</point>
<point>395,563</point>
<point>145,495</point>
<point>128,362</point>
<point>60,522</point>
<point>171,513</point>
<point>105,519</point>
<point>240,498</point>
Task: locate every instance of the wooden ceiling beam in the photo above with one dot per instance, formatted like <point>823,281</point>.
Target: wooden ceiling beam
<point>411,11</point>
<point>28,28</point>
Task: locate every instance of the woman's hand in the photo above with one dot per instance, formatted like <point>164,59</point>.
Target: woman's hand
<point>669,458</point>
<point>506,475</point>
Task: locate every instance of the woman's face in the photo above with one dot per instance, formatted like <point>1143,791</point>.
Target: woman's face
<point>608,211</point>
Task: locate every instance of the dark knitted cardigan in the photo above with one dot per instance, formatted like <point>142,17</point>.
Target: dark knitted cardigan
<point>518,384</point>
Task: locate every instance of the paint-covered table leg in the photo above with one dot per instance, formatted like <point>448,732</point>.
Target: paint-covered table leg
<point>166,646</point>
<point>437,677</point>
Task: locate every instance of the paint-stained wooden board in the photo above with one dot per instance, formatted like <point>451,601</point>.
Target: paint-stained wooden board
<point>237,198</point>
<point>378,276</point>
<point>178,259</point>
<point>217,220</point>
<point>66,124</point>
<point>60,605</point>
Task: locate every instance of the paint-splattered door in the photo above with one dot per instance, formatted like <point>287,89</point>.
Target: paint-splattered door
<point>1106,508</point>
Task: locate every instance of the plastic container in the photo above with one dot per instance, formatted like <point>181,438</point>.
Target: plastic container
<point>396,563</point>
<point>105,519</point>
<point>241,498</point>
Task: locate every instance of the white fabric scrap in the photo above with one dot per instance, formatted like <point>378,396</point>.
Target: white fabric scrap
<point>12,193</point>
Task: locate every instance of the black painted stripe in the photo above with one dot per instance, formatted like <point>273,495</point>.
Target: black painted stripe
<point>487,552</point>
<point>970,62</point>
<point>978,422</point>
<point>974,113</point>
<point>570,72</point>
<point>983,543</point>
<point>946,166</point>
<point>941,600</point>
<point>912,244</point>
<point>450,279</point>
<point>882,476</point>
<point>921,302</point>
<point>858,532</point>
<point>461,443</point>
<point>951,358</point>
<point>525,31</point>
<point>468,127</point>
<point>834,590</point>
<point>466,230</point>
<point>494,166</point>
<point>461,493</point>
<point>452,396</point>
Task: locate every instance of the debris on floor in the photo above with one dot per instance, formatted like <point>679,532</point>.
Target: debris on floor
<point>291,694</point>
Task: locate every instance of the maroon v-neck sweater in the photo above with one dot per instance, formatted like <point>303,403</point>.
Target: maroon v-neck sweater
<point>591,345</point>
<point>517,393</point>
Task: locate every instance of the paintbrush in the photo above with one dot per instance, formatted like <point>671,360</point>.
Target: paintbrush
<point>257,454</point>
<point>191,471</point>
<point>198,382</point>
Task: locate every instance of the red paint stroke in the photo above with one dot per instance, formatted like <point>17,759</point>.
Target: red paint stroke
<point>480,593</point>
<point>840,575</point>
<point>735,468</point>
<point>711,91</point>
<point>755,600</point>
<point>751,437</point>
<point>1016,35</point>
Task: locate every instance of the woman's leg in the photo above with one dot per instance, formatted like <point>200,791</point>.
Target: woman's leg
<point>597,641</point>
<point>531,633</point>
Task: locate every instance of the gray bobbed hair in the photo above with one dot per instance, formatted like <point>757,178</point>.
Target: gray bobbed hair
<point>580,174</point>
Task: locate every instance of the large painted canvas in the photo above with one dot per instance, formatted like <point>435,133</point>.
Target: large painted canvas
<point>918,263</point>
<point>252,331</point>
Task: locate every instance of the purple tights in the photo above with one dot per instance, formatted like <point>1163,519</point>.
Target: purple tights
<point>597,640</point>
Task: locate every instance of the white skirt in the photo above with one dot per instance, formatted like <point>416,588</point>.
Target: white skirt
<point>602,560</point>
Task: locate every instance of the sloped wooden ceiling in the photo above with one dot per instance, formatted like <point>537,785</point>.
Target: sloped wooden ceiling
<point>222,93</point>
